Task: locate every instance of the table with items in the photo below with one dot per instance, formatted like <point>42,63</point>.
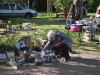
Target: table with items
<point>27,56</point>
<point>25,27</point>
<point>88,30</point>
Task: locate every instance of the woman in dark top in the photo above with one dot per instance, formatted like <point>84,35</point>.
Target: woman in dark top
<point>85,5</point>
<point>30,4</point>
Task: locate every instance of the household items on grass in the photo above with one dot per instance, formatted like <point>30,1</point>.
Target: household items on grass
<point>75,28</point>
<point>11,59</point>
<point>89,32</point>
<point>17,58</point>
<point>3,55</point>
<point>49,57</point>
<point>88,36</point>
<point>24,42</point>
<point>38,61</point>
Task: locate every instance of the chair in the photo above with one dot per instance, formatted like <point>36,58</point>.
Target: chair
<point>3,26</point>
<point>4,33</point>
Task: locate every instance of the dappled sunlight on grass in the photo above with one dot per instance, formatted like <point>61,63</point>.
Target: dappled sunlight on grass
<point>46,23</point>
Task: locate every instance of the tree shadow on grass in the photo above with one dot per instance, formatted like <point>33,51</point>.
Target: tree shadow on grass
<point>38,21</point>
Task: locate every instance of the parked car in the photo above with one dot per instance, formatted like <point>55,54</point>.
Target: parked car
<point>13,10</point>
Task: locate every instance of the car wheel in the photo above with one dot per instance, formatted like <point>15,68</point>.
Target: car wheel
<point>28,15</point>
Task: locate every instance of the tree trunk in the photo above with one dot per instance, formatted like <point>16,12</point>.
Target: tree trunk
<point>77,10</point>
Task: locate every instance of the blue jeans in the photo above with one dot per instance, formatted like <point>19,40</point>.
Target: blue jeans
<point>30,7</point>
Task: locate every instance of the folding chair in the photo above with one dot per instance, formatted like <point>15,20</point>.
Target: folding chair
<point>4,33</point>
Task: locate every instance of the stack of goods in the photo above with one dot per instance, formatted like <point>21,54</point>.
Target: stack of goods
<point>17,58</point>
<point>89,33</point>
<point>11,58</point>
<point>49,57</point>
<point>3,56</point>
<point>28,26</point>
<point>88,36</point>
<point>14,29</point>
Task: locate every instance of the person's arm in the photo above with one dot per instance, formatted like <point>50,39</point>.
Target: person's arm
<point>47,46</point>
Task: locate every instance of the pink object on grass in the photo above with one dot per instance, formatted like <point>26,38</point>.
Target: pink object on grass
<point>75,28</point>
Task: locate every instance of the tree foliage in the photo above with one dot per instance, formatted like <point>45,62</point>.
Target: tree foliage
<point>62,4</point>
<point>92,5</point>
<point>41,5</point>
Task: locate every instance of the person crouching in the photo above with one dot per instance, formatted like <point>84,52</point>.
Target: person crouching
<point>59,42</point>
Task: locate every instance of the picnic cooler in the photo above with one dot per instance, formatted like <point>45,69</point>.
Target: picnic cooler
<point>75,28</point>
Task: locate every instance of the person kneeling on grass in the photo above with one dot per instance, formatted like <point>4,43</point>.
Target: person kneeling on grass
<point>59,42</point>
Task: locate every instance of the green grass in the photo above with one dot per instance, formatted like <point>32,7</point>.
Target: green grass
<point>46,23</point>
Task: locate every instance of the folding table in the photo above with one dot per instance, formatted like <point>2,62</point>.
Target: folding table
<point>31,30</point>
<point>5,33</point>
<point>79,35</point>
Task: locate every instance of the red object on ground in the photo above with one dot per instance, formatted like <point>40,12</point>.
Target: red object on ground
<point>27,57</point>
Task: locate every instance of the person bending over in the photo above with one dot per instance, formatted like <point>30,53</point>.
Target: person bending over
<point>59,42</point>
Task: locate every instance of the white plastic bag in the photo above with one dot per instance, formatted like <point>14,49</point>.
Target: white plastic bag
<point>10,54</point>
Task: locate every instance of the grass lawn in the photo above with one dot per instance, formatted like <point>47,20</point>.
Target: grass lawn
<point>45,23</point>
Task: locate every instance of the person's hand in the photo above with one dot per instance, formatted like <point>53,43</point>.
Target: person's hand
<point>58,45</point>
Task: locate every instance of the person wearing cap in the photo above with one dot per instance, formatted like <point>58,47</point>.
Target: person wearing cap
<point>59,42</point>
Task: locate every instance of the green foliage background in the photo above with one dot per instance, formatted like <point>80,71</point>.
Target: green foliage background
<point>41,5</point>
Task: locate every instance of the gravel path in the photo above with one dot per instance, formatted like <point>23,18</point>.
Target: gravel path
<point>88,64</point>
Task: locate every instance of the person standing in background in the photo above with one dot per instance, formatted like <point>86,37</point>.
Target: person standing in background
<point>85,3</point>
<point>30,4</point>
<point>77,13</point>
<point>85,6</point>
